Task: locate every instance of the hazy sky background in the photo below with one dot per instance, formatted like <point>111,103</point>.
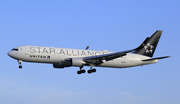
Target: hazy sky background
<point>114,25</point>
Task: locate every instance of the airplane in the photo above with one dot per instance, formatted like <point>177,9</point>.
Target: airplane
<point>65,57</point>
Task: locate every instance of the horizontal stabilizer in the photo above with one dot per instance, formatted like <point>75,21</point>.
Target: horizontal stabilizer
<point>156,58</point>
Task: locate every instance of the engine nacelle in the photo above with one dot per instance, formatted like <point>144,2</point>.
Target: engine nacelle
<point>70,62</point>
<point>77,62</point>
<point>62,64</point>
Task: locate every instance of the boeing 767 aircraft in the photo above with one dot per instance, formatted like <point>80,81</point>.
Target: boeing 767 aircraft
<point>65,57</point>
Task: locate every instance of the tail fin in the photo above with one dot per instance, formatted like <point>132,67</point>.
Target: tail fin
<point>150,44</point>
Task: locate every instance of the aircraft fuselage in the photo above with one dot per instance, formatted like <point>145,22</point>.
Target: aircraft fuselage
<point>54,55</point>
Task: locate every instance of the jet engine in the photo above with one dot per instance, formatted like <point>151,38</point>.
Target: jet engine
<point>62,64</point>
<point>70,62</point>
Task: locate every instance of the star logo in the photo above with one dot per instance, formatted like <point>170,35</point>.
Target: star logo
<point>149,48</point>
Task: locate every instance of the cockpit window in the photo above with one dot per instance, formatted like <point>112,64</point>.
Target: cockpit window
<point>14,49</point>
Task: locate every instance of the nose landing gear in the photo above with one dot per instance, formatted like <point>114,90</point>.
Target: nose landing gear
<point>20,66</point>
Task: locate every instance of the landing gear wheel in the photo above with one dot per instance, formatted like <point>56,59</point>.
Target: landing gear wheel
<point>89,71</point>
<point>93,70</point>
<point>83,71</point>
<point>79,72</point>
<point>20,66</point>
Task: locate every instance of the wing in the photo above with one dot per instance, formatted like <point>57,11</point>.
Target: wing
<point>97,60</point>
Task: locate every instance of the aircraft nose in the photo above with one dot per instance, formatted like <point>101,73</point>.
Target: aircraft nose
<point>9,53</point>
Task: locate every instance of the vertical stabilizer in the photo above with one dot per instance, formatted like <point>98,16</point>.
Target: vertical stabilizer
<point>150,44</point>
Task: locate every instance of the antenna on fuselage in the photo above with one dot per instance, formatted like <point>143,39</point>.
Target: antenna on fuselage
<point>87,48</point>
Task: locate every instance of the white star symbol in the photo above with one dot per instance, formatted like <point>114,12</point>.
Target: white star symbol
<point>149,48</point>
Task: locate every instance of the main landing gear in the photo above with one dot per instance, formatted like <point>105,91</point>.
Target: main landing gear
<point>20,66</point>
<point>91,71</point>
<point>83,71</point>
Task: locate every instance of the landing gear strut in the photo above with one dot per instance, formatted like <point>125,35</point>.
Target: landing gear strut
<point>20,66</point>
